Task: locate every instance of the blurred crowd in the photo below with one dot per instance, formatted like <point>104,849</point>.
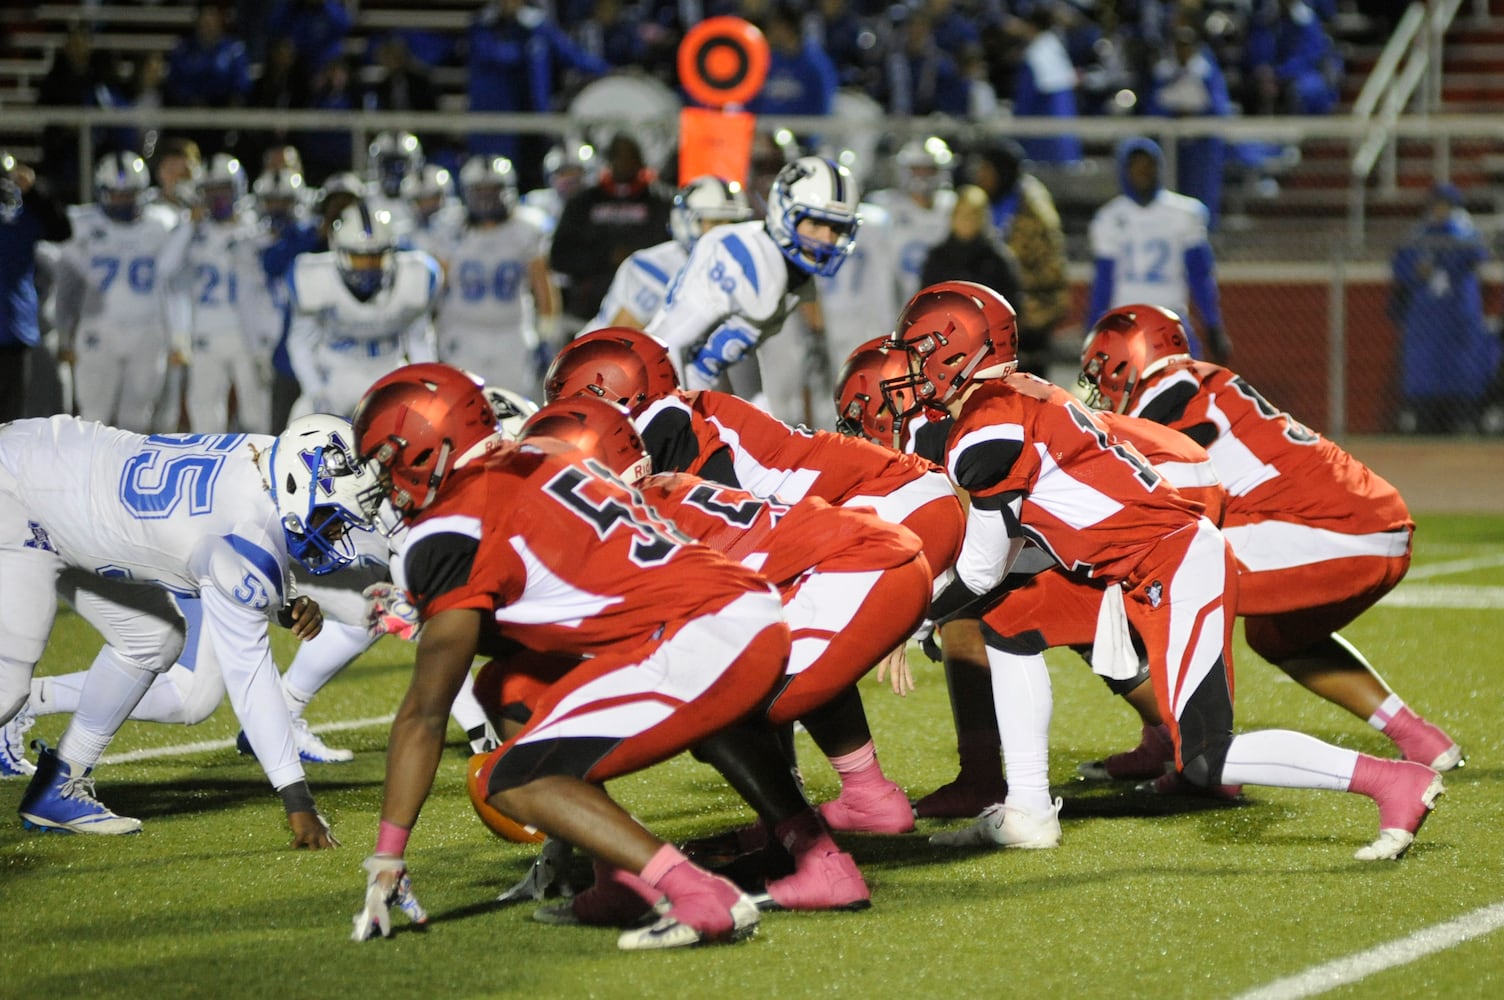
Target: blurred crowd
<point>965,58</point>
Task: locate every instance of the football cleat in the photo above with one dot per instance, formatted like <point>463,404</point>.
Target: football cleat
<point>1154,755</point>
<point>1003,825</point>
<point>1423,742</point>
<point>962,798</point>
<point>882,811</point>
<point>823,880</point>
<point>1405,801</point>
<point>617,899</point>
<point>1175,783</point>
<point>13,762</point>
<point>61,801</point>
<point>670,931</point>
<point>311,749</point>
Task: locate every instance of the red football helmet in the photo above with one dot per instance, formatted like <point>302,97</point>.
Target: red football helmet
<point>618,363</point>
<point>956,331</point>
<point>598,428</point>
<point>415,424</point>
<point>1126,346</point>
<point>874,391</point>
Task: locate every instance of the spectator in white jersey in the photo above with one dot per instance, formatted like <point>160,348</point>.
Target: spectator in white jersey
<point>1151,245</point>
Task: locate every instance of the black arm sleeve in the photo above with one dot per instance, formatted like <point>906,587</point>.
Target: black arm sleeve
<point>438,564</point>
<point>671,442</point>
<point>984,465</point>
<point>1169,406</point>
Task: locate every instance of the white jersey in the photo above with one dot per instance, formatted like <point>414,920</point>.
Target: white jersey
<point>403,219</point>
<point>542,207</point>
<point>113,277</point>
<point>487,320</point>
<point>641,284</point>
<point>732,293</point>
<point>189,514</point>
<point>1147,245</point>
<point>222,259</point>
<point>860,301</point>
<point>441,230</point>
<point>339,345</point>
<point>915,231</point>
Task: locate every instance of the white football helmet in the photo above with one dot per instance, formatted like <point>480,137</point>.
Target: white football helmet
<point>924,165</point>
<point>364,242</point>
<point>818,190</point>
<point>427,190</point>
<point>222,187</point>
<point>570,168</point>
<point>322,490</point>
<point>703,202</point>
<point>511,408</point>
<point>120,183</point>
<point>489,187</point>
<point>281,195</point>
<point>391,157</point>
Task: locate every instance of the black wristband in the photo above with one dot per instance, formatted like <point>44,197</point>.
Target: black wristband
<point>296,797</point>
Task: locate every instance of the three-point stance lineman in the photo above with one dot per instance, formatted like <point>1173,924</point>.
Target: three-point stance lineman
<point>119,524</point>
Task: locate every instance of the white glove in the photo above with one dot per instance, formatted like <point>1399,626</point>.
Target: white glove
<point>381,893</point>
<point>389,611</point>
<point>547,875</point>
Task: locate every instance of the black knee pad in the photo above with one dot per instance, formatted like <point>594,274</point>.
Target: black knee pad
<point>1205,769</point>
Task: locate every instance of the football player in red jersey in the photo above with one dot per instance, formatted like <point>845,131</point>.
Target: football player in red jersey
<point>1038,609</point>
<point>1049,471</point>
<point>853,586</point>
<point>1318,536</point>
<point>728,440</point>
<point>517,542</point>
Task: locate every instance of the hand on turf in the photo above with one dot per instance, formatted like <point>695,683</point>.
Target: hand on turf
<point>387,885</point>
<point>310,830</point>
<point>896,666</point>
<point>389,611</point>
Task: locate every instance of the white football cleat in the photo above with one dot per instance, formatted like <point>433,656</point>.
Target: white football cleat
<point>13,762</point>
<point>1002,825</point>
<point>314,750</point>
<point>668,932</point>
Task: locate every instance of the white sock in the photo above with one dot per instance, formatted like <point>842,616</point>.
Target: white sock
<point>56,694</point>
<point>1391,707</point>
<point>319,659</point>
<point>1024,702</point>
<point>112,687</point>
<point>1288,759</point>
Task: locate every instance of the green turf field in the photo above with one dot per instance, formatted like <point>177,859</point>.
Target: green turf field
<point>1161,898</point>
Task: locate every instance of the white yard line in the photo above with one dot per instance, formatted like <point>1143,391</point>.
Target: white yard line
<point>1452,566</point>
<point>204,746</point>
<point>1441,596</point>
<point>1402,951</point>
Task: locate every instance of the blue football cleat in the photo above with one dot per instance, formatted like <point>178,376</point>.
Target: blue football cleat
<point>59,800</point>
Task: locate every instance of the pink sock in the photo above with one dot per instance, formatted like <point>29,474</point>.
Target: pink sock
<point>1388,713</point>
<point>804,832</point>
<point>859,769</point>
<point>659,864</point>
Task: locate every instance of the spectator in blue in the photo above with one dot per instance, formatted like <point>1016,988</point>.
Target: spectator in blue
<point>801,78</point>
<point>1447,358</point>
<point>1292,61</point>
<point>922,77</point>
<point>857,45</point>
<point>515,51</point>
<point>954,32</point>
<point>1187,82</point>
<point>614,33</point>
<point>208,68</point>
<point>1045,86</point>
<point>27,216</point>
<point>317,27</point>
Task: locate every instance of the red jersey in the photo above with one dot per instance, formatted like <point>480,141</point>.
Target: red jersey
<point>689,431</point>
<point>1183,462</point>
<point>1089,499</point>
<point>778,541</point>
<point>1274,467</point>
<point>559,558</point>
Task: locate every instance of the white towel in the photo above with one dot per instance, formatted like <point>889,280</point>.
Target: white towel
<point>1112,653</point>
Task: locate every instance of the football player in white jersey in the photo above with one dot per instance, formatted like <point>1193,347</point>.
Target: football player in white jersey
<point>392,158</point>
<point>119,524</point>
<point>1150,245</point>
<point>641,282</point>
<point>231,348</point>
<point>920,209</point>
<point>360,310</point>
<point>111,296</point>
<point>744,279</point>
<point>863,296</point>
<point>500,314</point>
<point>436,213</point>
